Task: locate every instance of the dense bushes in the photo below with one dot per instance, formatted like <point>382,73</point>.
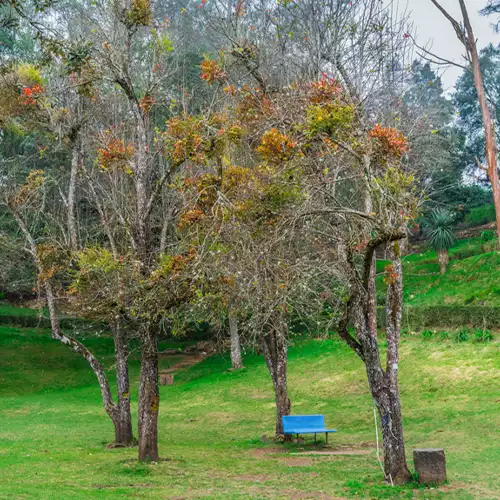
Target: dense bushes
<point>451,316</point>
<point>38,322</point>
<point>478,335</point>
<point>30,318</point>
<point>488,244</point>
<point>480,215</point>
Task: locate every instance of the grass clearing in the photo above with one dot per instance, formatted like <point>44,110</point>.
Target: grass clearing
<point>54,428</point>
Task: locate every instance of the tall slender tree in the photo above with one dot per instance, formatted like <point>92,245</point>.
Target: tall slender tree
<point>465,35</point>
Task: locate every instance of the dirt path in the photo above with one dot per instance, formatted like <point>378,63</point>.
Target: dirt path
<point>185,361</point>
<point>191,356</point>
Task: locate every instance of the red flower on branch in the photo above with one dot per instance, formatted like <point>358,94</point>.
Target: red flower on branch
<point>32,93</point>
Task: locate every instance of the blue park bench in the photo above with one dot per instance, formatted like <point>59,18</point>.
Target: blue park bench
<point>305,424</point>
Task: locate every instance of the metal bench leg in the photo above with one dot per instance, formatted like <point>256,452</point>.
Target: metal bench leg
<point>326,435</point>
<point>315,438</point>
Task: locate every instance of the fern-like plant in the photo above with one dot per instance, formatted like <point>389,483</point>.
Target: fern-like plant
<point>441,235</point>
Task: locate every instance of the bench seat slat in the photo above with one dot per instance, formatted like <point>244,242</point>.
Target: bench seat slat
<point>305,424</point>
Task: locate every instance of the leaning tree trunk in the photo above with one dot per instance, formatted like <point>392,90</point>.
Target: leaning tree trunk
<point>443,259</point>
<point>57,334</point>
<point>107,397</point>
<point>123,423</point>
<point>275,353</point>
<point>236,362</point>
<point>149,396</point>
<point>465,34</point>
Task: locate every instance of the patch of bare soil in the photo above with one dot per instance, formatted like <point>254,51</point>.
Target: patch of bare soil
<point>262,452</point>
<point>456,485</point>
<point>342,451</point>
<point>297,462</point>
<point>360,445</point>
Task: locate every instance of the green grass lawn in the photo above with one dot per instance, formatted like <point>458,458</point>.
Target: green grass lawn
<point>53,429</point>
<point>472,278</point>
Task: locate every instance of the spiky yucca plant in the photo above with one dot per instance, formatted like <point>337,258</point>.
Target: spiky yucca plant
<point>441,235</point>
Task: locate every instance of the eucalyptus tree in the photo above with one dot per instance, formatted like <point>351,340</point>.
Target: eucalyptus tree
<point>465,99</point>
<point>465,34</point>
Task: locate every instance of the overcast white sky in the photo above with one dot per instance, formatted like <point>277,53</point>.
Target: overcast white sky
<point>433,28</point>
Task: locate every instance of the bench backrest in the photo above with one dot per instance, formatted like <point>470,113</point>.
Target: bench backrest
<point>296,422</point>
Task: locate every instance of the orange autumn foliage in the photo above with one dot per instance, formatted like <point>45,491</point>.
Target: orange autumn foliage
<point>115,153</point>
<point>211,72</point>
<point>390,140</point>
<point>276,147</point>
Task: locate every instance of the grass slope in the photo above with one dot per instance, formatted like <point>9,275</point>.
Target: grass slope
<point>54,429</point>
<point>472,278</point>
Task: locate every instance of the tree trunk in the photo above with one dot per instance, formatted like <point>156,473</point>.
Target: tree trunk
<point>236,362</point>
<point>385,393</point>
<point>123,422</point>
<point>383,384</point>
<point>389,404</point>
<point>372,299</point>
<point>283,403</point>
<point>76,161</point>
<point>387,400</point>
<point>275,354</point>
<point>465,34</point>
<point>372,292</point>
<point>149,396</point>
<point>443,259</point>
